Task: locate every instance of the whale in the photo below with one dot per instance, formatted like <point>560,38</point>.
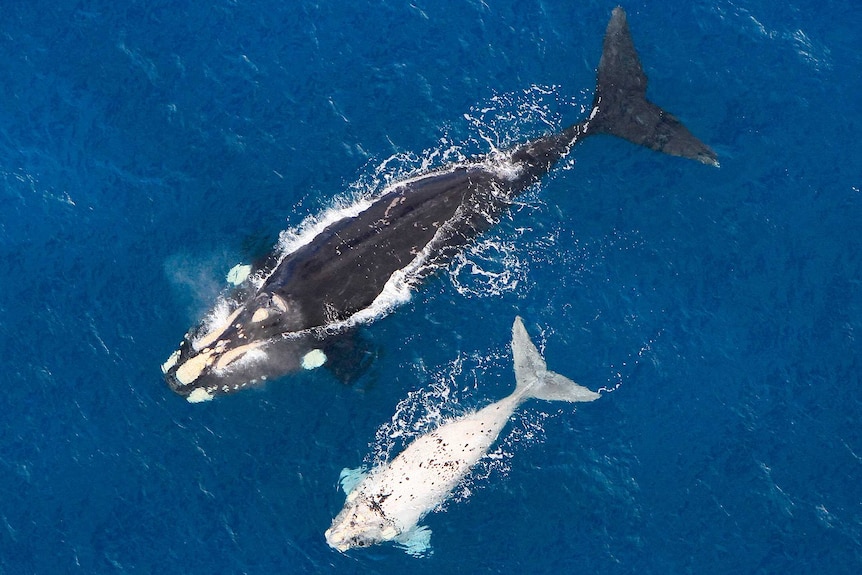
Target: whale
<point>388,502</point>
<point>287,311</point>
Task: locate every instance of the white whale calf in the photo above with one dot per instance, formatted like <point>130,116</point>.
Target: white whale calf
<point>388,503</point>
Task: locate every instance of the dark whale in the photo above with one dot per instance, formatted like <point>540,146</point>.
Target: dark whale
<point>283,317</point>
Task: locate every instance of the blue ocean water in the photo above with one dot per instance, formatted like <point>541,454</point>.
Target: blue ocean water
<point>148,146</point>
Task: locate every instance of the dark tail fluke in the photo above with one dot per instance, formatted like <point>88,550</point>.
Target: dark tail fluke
<point>621,108</point>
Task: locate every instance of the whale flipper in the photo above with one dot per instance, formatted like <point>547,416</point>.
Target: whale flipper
<point>621,108</point>
<point>350,355</point>
<point>416,542</point>
<point>350,478</point>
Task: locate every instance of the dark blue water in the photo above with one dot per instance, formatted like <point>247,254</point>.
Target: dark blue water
<point>146,147</point>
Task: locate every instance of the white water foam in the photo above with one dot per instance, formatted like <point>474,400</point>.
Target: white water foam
<point>490,267</point>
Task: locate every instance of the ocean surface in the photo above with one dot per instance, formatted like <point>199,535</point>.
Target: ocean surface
<point>146,147</point>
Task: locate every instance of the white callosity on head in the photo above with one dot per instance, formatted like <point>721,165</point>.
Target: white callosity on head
<point>279,302</point>
<point>194,366</point>
<point>214,334</point>
<point>171,361</point>
<point>230,356</point>
<point>260,315</point>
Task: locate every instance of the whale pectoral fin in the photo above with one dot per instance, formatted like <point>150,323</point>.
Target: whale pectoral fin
<point>350,355</point>
<point>416,542</point>
<point>238,274</point>
<point>350,478</point>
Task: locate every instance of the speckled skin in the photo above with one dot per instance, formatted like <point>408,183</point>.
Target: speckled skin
<point>399,494</point>
<point>389,503</point>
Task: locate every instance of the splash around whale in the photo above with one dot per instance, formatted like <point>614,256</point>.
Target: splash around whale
<point>287,311</point>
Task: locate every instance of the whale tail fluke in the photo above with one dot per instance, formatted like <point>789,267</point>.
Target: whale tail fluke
<point>533,378</point>
<point>620,107</point>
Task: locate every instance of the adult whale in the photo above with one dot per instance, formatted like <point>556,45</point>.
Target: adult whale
<point>291,307</point>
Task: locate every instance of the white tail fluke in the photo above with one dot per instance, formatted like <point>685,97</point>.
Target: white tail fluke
<point>532,376</point>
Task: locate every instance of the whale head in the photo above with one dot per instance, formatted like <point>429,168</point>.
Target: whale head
<point>360,524</point>
<point>242,344</point>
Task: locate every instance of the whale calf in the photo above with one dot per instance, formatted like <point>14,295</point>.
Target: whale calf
<point>288,309</point>
<point>391,500</point>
